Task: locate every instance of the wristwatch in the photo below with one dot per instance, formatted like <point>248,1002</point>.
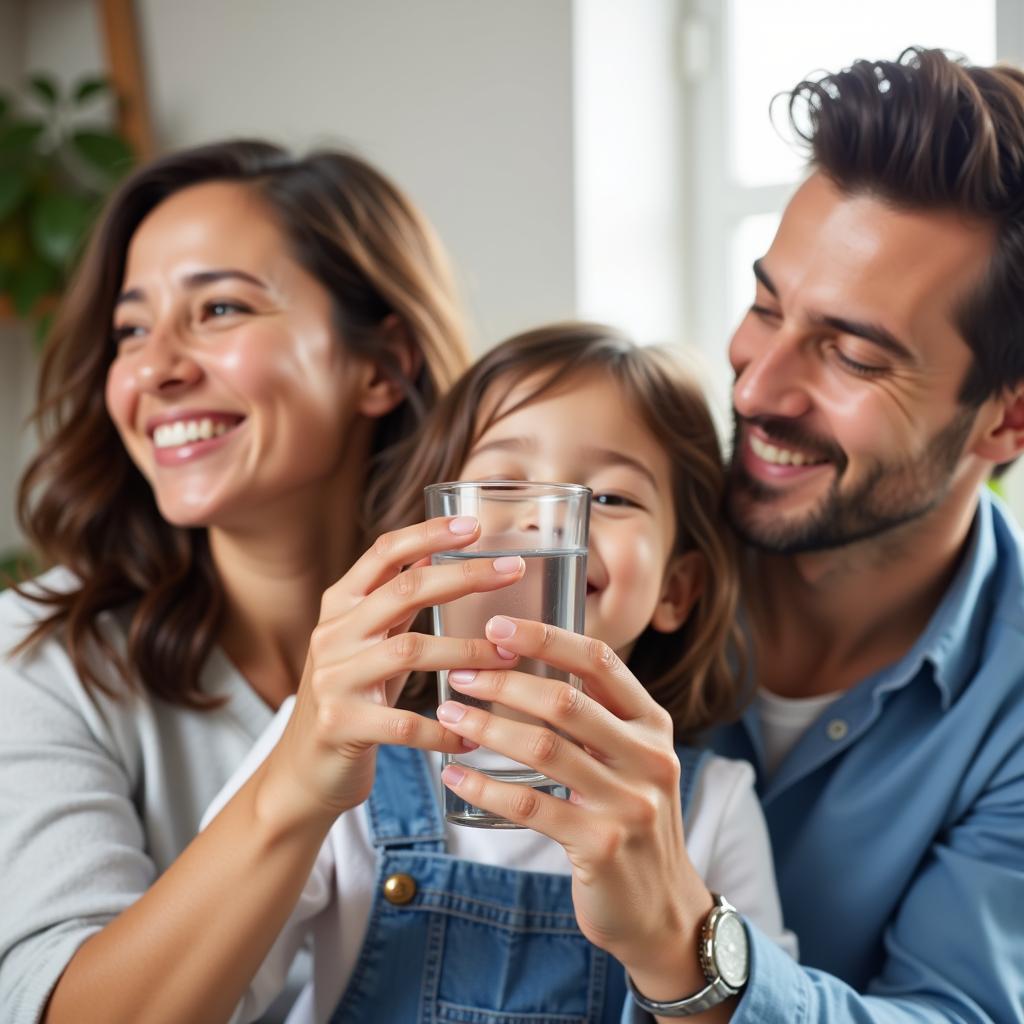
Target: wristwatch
<point>724,958</point>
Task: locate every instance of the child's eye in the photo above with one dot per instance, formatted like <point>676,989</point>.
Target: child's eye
<point>614,501</point>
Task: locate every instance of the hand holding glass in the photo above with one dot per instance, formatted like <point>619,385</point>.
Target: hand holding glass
<point>546,525</point>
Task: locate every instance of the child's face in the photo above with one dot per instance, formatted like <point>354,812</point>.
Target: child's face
<point>587,433</point>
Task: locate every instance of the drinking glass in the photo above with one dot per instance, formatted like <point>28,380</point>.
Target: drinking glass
<point>546,525</point>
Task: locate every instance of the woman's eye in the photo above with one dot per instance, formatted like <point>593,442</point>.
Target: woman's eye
<point>125,332</point>
<point>218,310</point>
<point>764,312</point>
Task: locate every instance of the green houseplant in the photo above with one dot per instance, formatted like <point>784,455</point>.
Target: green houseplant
<point>59,158</point>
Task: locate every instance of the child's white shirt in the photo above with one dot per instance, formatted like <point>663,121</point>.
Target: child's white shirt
<point>727,841</point>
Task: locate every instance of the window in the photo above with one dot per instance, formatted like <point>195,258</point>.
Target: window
<point>738,54</point>
<point>739,170</point>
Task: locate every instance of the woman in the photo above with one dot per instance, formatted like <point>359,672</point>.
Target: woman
<point>246,334</point>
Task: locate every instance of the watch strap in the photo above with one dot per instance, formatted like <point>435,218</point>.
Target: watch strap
<point>716,991</point>
<point>711,995</point>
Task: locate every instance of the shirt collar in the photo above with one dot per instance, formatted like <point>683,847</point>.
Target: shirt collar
<point>951,642</point>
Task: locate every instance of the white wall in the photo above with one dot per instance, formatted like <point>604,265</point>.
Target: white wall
<point>628,165</point>
<point>466,103</point>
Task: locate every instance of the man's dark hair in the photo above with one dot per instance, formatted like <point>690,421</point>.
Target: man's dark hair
<point>931,132</point>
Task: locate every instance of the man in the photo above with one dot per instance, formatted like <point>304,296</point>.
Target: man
<point>879,383</point>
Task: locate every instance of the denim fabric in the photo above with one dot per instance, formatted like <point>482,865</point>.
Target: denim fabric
<point>898,822</point>
<point>477,944</point>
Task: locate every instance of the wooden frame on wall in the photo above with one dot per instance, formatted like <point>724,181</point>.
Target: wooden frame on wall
<point>119,28</point>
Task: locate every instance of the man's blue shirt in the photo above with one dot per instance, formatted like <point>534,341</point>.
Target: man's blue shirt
<point>897,821</point>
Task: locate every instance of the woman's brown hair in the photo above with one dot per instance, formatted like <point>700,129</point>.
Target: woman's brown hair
<point>82,502</point>
<point>692,672</point>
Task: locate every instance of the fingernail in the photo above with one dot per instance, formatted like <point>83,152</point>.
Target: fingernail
<point>507,563</point>
<point>500,628</point>
<point>451,712</point>
<point>506,654</point>
<point>469,745</point>
<point>462,677</point>
<point>453,775</point>
<point>462,525</point>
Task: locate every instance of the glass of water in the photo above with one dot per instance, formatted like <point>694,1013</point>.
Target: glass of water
<point>546,525</point>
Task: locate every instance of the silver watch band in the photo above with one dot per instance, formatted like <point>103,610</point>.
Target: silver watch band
<point>718,989</point>
<point>711,995</point>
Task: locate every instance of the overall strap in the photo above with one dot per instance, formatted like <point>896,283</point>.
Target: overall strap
<point>691,761</point>
<point>402,809</point>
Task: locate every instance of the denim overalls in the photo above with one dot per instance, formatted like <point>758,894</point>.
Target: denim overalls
<point>452,940</point>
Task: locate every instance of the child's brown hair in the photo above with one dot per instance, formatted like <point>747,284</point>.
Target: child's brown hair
<point>693,672</point>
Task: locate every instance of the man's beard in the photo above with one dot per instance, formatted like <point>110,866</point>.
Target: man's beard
<point>892,493</point>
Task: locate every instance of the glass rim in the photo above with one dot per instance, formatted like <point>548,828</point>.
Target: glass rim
<point>534,488</point>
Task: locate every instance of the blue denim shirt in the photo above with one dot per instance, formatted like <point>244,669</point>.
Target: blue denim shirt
<point>897,822</point>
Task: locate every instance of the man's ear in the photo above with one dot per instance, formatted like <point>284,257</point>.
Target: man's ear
<point>400,361</point>
<point>1003,437</point>
<point>682,585</point>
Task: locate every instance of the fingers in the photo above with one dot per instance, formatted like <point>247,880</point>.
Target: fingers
<point>605,676</point>
<point>351,730</point>
<point>561,820</point>
<point>399,655</point>
<point>394,602</point>
<point>532,744</point>
<point>562,705</point>
<point>392,551</point>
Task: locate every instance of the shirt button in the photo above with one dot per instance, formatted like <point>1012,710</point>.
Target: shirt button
<point>837,730</point>
<point>399,889</point>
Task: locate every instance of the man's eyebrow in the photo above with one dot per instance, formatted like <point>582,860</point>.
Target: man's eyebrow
<point>874,333</point>
<point>197,280</point>
<point>762,275</point>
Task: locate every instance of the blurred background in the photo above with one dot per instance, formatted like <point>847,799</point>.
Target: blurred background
<point>611,159</point>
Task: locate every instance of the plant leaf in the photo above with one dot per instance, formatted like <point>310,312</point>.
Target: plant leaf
<point>14,244</point>
<point>45,89</point>
<point>19,137</point>
<point>42,329</point>
<point>105,151</point>
<point>89,87</point>
<point>57,225</point>
<point>13,186</point>
<point>29,283</point>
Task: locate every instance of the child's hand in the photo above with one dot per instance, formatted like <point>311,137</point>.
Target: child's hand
<point>360,656</point>
<point>635,891</point>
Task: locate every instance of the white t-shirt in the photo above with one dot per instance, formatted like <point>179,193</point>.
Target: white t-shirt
<point>727,841</point>
<point>784,720</point>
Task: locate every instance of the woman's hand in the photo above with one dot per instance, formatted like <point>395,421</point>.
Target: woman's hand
<point>360,656</point>
<point>635,891</point>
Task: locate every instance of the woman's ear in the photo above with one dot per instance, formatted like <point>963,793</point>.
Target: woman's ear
<point>682,585</point>
<point>401,359</point>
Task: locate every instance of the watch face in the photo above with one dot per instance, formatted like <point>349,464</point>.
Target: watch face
<point>732,952</point>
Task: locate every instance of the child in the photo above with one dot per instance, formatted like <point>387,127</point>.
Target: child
<point>453,923</point>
